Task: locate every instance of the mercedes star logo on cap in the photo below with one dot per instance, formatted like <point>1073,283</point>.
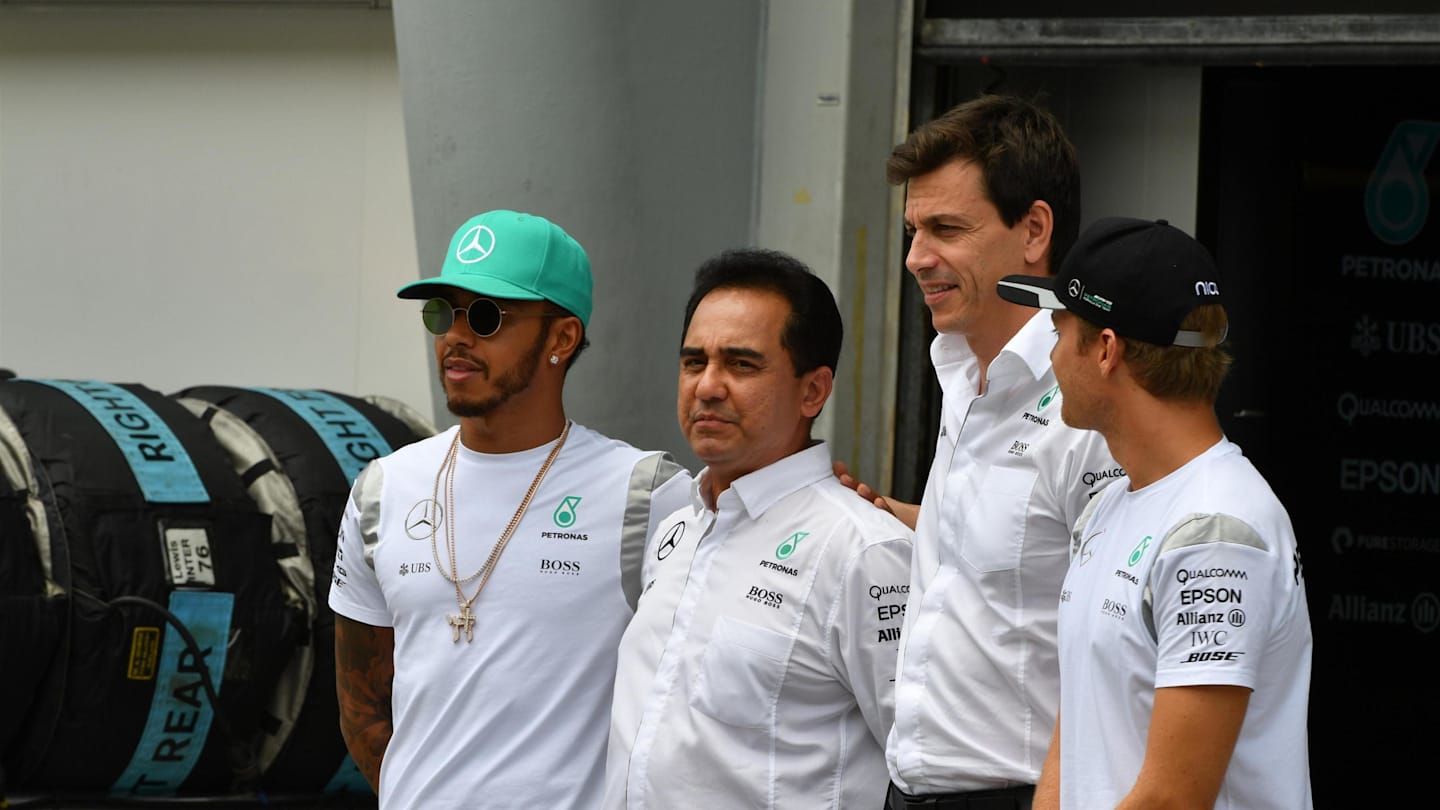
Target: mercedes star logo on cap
<point>1074,288</point>
<point>476,245</point>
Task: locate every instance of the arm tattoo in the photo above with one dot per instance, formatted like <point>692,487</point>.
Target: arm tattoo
<point>364,674</point>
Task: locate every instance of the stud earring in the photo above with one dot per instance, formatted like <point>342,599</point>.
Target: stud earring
<point>554,359</point>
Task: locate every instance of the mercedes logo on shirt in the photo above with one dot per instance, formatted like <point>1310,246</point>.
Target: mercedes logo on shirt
<point>672,539</point>
<point>476,245</point>
<point>424,518</point>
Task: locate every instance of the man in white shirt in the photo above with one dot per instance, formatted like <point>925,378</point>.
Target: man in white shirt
<point>1185,641</point>
<point>757,670</point>
<point>483,576</point>
<point>992,188</point>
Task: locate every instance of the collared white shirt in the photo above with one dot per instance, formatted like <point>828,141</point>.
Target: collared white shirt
<point>758,669</point>
<point>977,683</point>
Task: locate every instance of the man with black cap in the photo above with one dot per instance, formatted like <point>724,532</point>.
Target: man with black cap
<point>483,577</point>
<point>1185,643</point>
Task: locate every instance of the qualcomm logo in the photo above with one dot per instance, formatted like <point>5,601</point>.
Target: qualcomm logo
<point>1397,200</point>
<point>476,245</point>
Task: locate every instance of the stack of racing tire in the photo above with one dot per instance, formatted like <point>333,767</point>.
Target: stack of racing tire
<point>165,563</point>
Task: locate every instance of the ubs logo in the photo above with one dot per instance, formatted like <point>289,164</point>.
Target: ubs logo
<point>671,540</point>
<point>425,517</point>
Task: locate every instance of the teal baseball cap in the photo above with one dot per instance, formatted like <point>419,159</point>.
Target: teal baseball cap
<point>508,254</point>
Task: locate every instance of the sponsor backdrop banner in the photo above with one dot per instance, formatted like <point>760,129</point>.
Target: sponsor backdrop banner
<point>1343,409</point>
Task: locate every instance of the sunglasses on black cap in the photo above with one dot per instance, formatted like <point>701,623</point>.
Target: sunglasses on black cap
<point>483,315</point>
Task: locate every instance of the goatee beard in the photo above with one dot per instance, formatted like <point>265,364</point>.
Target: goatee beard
<point>507,385</point>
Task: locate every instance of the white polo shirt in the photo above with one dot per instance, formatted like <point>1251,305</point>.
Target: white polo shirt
<point>978,681</point>
<point>1193,580</point>
<point>518,716</point>
<point>757,670</point>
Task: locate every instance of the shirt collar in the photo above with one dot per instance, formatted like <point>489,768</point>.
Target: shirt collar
<point>762,489</point>
<point>1031,346</point>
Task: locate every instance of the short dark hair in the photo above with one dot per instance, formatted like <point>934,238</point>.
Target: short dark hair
<point>1021,150</point>
<point>813,332</point>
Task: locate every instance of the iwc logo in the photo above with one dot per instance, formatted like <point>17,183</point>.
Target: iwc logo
<point>424,519</point>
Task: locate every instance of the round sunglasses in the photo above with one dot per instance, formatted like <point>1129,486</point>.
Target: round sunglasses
<point>483,315</point>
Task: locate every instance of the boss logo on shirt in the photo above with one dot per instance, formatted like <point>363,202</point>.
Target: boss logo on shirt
<point>1113,609</point>
<point>766,597</point>
<point>569,567</point>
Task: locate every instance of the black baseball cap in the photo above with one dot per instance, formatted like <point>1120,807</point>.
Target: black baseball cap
<point>1139,277</point>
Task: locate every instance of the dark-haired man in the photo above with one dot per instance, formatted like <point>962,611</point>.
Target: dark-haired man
<point>757,671</point>
<point>483,576</point>
<point>992,188</point>
<point>1184,637</point>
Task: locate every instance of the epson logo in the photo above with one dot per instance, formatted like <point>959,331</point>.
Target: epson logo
<point>765,596</point>
<point>1212,655</point>
<point>1206,288</point>
<point>1210,596</point>
<point>571,567</point>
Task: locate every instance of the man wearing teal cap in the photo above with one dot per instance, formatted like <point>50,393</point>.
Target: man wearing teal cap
<point>483,576</point>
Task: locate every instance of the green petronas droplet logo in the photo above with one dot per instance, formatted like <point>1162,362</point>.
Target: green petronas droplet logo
<point>1048,398</point>
<point>787,548</point>
<point>565,513</point>
<point>1139,551</point>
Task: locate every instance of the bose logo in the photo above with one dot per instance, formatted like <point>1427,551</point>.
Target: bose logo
<point>1206,288</point>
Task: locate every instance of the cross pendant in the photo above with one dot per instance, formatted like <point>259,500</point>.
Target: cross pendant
<point>466,619</point>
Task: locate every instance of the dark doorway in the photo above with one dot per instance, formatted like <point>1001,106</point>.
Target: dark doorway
<point>1316,192</point>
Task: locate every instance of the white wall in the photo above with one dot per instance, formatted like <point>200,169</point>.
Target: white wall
<point>206,196</point>
<point>828,122</point>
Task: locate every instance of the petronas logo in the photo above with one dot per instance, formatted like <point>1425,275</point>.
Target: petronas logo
<point>787,548</point>
<point>1048,398</point>
<point>565,513</point>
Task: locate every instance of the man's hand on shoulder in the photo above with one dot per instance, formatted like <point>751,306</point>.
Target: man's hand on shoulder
<point>908,513</point>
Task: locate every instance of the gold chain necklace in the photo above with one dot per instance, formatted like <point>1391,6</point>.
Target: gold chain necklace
<point>466,620</point>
